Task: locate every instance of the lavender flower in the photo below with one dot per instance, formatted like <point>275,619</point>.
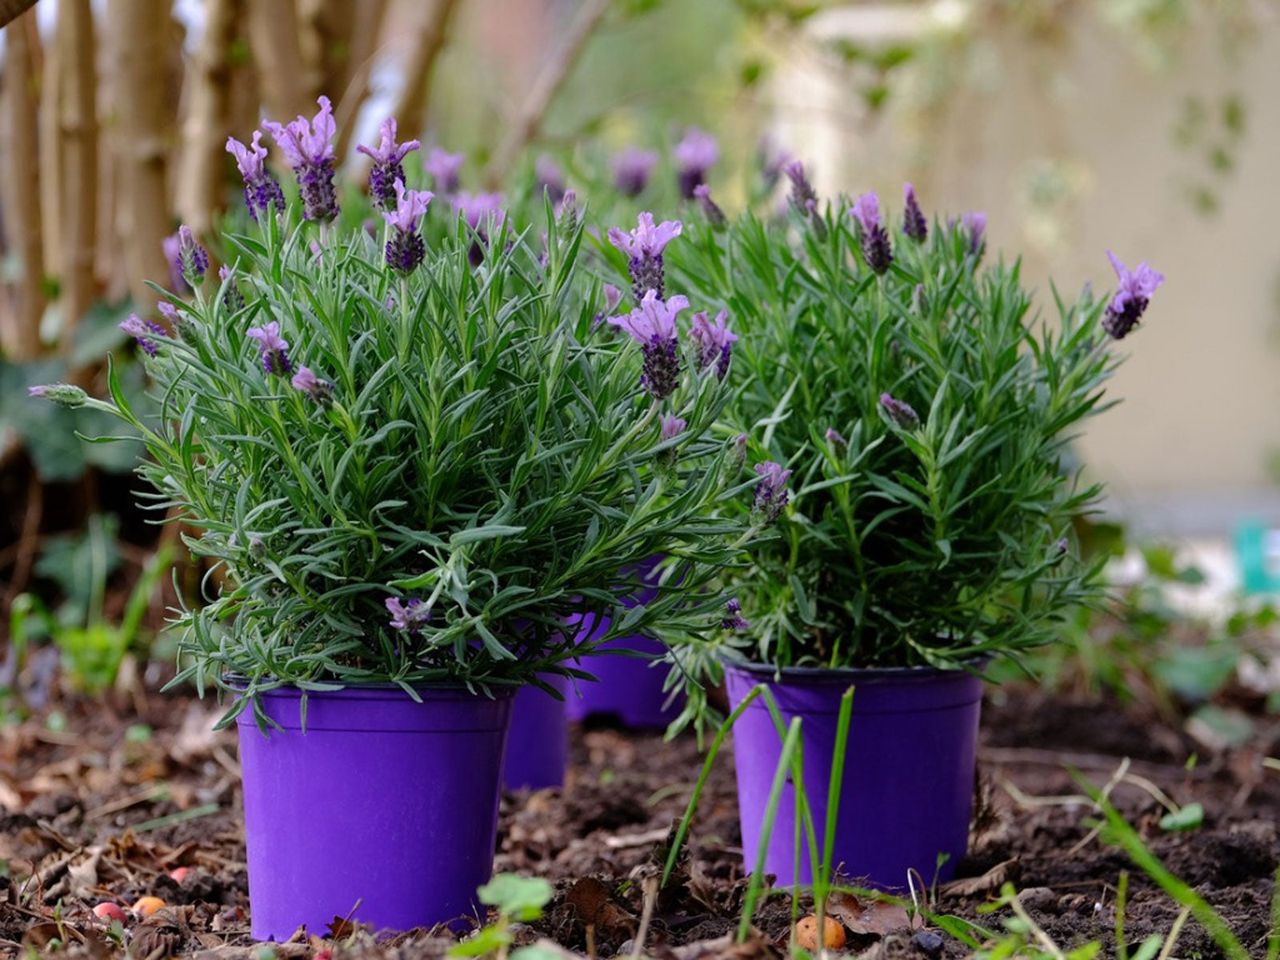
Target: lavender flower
<point>740,450</point>
<point>142,331</point>
<point>548,177</point>
<point>914,224</point>
<point>273,350</point>
<point>771,494</point>
<point>874,237</point>
<point>1133,292</point>
<point>715,341</point>
<point>232,298</point>
<point>321,391</point>
<point>567,213</point>
<point>671,427</point>
<point>900,412</point>
<point>405,248</point>
<point>632,169</point>
<point>388,164</point>
<point>170,312</point>
<point>308,147</point>
<point>443,167</point>
<point>710,209</point>
<point>733,618</point>
<point>835,438</point>
<point>643,247</point>
<point>653,326</point>
<point>975,225</point>
<point>172,247</point>
<point>409,615</point>
<point>612,297</point>
<point>803,197</point>
<point>193,258</point>
<point>695,155</point>
<point>261,189</point>
<point>63,394</point>
<point>481,211</point>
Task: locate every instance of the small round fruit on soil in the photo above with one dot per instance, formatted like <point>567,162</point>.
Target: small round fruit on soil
<point>146,906</point>
<point>109,911</point>
<point>807,933</point>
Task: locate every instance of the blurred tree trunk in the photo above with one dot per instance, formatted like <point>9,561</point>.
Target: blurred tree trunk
<point>277,57</point>
<point>78,146</point>
<point>207,122</point>
<point>51,161</point>
<point>22,179</point>
<point>431,32</point>
<point>140,61</point>
<point>350,86</point>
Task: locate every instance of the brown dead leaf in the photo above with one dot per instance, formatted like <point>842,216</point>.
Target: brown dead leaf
<point>593,906</point>
<point>866,918</point>
<point>995,878</point>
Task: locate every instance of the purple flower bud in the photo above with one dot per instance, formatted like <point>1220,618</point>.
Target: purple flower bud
<point>632,169</point>
<point>170,312</point>
<point>899,412</point>
<point>192,257</point>
<point>834,438</point>
<point>143,331</point>
<point>653,326</point>
<point>771,495</point>
<point>548,177</point>
<point>695,155</point>
<point>733,618</point>
<point>671,427</point>
<point>273,350</point>
<point>321,391</point>
<point>1133,292</point>
<point>232,298</point>
<point>975,225</point>
<point>409,615</point>
<point>612,297</point>
<point>405,247</point>
<point>914,224</point>
<point>443,167</point>
<point>63,394</point>
<point>710,209</point>
<point>388,164</point>
<point>740,450</point>
<point>261,190</point>
<point>715,341</point>
<point>874,237</point>
<point>643,247</point>
<point>482,211</point>
<point>308,148</point>
<point>172,247</point>
<point>803,197</point>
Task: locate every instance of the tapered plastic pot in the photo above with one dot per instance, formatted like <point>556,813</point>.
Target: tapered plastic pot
<point>538,745</point>
<point>628,686</point>
<point>907,791</point>
<point>384,809</point>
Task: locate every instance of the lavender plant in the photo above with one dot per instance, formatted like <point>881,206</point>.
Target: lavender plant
<point>412,464</point>
<point>915,411</point>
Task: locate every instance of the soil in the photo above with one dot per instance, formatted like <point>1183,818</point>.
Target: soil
<point>104,799</point>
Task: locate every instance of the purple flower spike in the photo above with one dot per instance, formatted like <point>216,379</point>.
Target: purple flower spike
<point>142,331</point>
<point>261,189</point>
<point>409,615</point>
<point>803,197</point>
<point>444,168</point>
<point>914,224</point>
<point>632,169</point>
<point>1134,290</point>
<point>172,247</point>
<point>405,248</point>
<point>308,147</point>
<point>671,427</point>
<point>733,618</point>
<point>740,449</point>
<point>193,259</point>
<point>653,326</point>
<point>388,164</point>
<point>874,237</point>
<point>771,494</point>
<point>232,298</point>
<point>273,350</point>
<point>547,176</point>
<point>321,391</point>
<point>695,155</point>
<point>834,438</point>
<point>975,225</point>
<point>710,209</point>
<point>900,412</point>
<point>715,341</point>
<point>644,246</point>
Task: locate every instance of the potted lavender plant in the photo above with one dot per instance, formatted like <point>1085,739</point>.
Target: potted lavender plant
<point>410,466</point>
<point>915,410</point>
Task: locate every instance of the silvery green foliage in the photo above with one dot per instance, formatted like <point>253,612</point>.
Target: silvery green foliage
<point>459,437</point>
<point>925,411</point>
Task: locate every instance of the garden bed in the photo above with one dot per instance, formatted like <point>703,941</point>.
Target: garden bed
<point>113,799</point>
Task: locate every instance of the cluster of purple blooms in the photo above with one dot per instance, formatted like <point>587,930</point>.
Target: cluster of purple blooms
<point>262,191</point>
<point>644,247</point>
<point>409,615</point>
<point>308,148</point>
<point>405,246</point>
<point>388,165</point>
<point>1133,292</point>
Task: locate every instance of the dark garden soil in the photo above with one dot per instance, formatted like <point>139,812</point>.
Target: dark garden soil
<point>109,799</point>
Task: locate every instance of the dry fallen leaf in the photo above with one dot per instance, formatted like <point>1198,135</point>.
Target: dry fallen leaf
<point>869,918</point>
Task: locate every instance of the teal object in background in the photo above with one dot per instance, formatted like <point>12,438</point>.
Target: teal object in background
<point>1258,553</point>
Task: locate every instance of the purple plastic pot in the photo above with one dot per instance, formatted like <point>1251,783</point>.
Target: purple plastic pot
<point>538,745</point>
<point>628,686</point>
<point>907,790</point>
<point>384,810</point>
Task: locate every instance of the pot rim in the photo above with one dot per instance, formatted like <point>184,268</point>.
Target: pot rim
<point>236,683</point>
<point>973,668</point>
